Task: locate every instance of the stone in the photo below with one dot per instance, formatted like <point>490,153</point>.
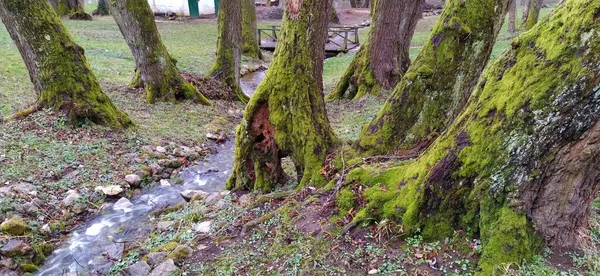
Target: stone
<point>212,136</point>
<point>245,200</point>
<point>70,198</point>
<point>14,226</point>
<point>213,198</point>
<point>165,183</point>
<point>189,195</point>
<point>5,190</point>
<point>168,267</point>
<point>26,189</point>
<point>202,247</point>
<point>373,271</point>
<point>14,247</point>
<point>155,168</point>
<point>170,163</point>
<point>8,272</point>
<point>180,253</point>
<point>164,225</point>
<point>111,190</point>
<point>46,228</point>
<point>122,204</point>
<point>161,149</point>
<point>138,269</point>
<point>133,180</point>
<point>203,227</point>
<point>156,258</point>
<point>7,263</point>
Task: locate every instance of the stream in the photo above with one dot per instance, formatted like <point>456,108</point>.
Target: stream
<point>94,247</point>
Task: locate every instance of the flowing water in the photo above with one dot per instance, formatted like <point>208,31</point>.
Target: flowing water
<point>95,247</point>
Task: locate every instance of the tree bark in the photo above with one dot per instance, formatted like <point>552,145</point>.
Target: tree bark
<point>57,66</point>
<point>437,85</point>
<point>102,9</point>
<point>286,116</point>
<point>366,4</point>
<point>519,165</point>
<point>157,69</point>
<point>249,30</point>
<point>72,8</point>
<point>381,61</point>
<point>353,4</point>
<point>533,14</point>
<point>229,50</point>
<point>333,16</point>
<point>512,17</point>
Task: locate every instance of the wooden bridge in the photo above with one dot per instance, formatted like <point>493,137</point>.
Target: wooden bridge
<point>341,39</point>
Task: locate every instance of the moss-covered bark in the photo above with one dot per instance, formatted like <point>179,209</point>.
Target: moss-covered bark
<point>249,30</point>
<point>102,9</point>
<point>531,14</point>
<point>229,47</point>
<point>438,83</point>
<point>72,8</point>
<point>157,69</point>
<point>57,66</point>
<point>518,167</point>
<point>381,61</point>
<point>286,115</point>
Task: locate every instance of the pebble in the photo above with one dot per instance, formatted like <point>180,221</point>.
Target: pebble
<point>373,271</point>
<point>122,204</point>
<point>111,190</point>
<point>133,179</point>
<point>161,149</point>
<point>168,267</point>
<point>203,227</point>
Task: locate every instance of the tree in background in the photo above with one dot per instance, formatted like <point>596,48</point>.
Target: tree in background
<point>155,67</point>
<point>531,14</point>
<point>286,115</point>
<point>57,66</point>
<point>512,18</point>
<point>102,9</point>
<point>441,79</point>
<point>229,46</point>
<point>72,8</point>
<point>250,47</point>
<point>381,61</point>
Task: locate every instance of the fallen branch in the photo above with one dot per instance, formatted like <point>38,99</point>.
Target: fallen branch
<point>23,113</point>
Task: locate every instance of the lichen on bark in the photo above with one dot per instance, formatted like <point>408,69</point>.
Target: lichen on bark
<point>384,58</point>
<point>518,165</point>
<point>286,116</point>
<point>157,68</point>
<point>438,83</point>
<point>57,66</point>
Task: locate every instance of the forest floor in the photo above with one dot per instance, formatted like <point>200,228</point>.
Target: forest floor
<point>44,162</point>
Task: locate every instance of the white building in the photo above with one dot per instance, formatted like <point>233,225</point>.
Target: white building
<point>181,7</point>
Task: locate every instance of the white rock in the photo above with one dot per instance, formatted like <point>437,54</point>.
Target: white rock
<point>202,247</point>
<point>164,225</point>
<point>133,179</point>
<point>161,149</point>
<point>111,190</point>
<point>164,182</point>
<point>373,271</point>
<point>122,204</point>
<point>212,136</point>
<point>46,228</point>
<point>203,227</point>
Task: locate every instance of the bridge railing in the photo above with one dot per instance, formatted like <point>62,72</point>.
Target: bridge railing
<point>341,38</point>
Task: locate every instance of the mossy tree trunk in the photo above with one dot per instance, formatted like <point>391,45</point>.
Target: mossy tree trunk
<point>333,16</point>
<point>249,30</point>
<point>156,69</point>
<point>381,61</point>
<point>519,166</point>
<point>512,17</point>
<point>286,116</point>
<point>439,82</point>
<point>229,46</point>
<point>57,66</point>
<point>531,14</point>
<point>72,8</point>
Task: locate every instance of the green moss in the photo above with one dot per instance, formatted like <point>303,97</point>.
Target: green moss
<point>508,240</point>
<point>14,226</point>
<point>345,201</point>
<point>250,42</point>
<point>180,253</point>
<point>29,267</point>
<point>168,247</point>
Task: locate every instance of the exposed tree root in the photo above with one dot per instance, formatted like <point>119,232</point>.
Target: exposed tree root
<point>23,113</point>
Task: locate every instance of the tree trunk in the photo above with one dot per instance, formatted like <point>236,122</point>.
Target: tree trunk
<point>381,61</point>
<point>72,8</point>
<point>229,51</point>
<point>57,66</point>
<point>249,30</point>
<point>333,16</point>
<point>526,5</point>
<point>286,115</point>
<point>157,69</point>
<point>437,85</point>
<point>366,4</point>
<point>512,17</point>
<point>353,4</point>
<point>519,167</point>
<point>533,14</point>
<point>102,9</point>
